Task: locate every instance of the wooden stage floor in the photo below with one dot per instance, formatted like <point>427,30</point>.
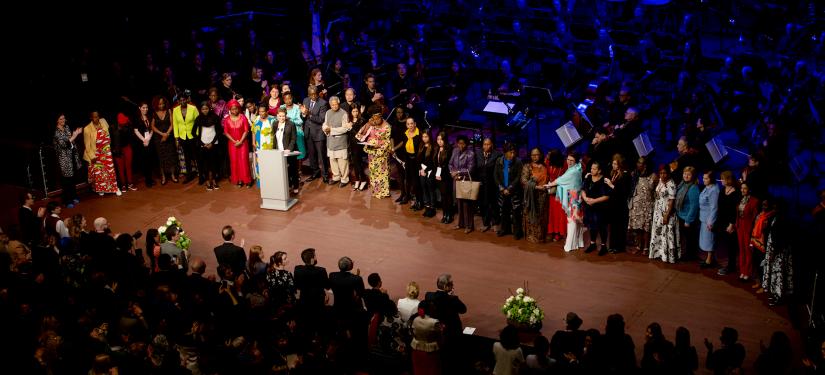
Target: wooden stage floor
<point>402,246</point>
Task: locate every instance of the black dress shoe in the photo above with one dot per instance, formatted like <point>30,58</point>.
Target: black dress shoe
<point>603,251</point>
<point>501,233</point>
<point>449,219</point>
<point>443,219</point>
<point>343,184</point>
<point>404,201</point>
<point>325,180</point>
<point>590,248</point>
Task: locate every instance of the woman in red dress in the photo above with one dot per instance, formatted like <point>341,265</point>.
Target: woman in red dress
<point>98,154</point>
<point>557,223</point>
<point>236,130</point>
<point>746,213</point>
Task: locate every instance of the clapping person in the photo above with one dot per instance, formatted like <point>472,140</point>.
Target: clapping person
<point>67,159</point>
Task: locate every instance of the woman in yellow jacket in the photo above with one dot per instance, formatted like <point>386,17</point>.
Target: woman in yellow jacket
<point>98,154</point>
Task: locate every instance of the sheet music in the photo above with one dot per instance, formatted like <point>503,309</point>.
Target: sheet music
<point>568,134</point>
<point>717,149</point>
<point>643,145</point>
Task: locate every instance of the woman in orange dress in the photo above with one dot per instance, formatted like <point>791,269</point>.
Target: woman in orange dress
<point>557,222</point>
<point>236,130</point>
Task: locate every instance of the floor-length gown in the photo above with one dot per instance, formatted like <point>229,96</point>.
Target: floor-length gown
<point>664,237</point>
<point>557,222</point>
<point>377,149</point>
<point>238,155</point>
<point>102,171</point>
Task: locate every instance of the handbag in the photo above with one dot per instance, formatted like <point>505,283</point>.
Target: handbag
<point>467,189</point>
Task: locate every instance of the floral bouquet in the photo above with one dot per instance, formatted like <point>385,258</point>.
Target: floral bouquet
<point>521,309</point>
<point>183,240</point>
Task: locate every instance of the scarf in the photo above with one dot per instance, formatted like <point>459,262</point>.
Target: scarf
<point>758,233</point>
<point>569,182</point>
<point>681,193</point>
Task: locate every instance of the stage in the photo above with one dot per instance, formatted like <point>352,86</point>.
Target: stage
<point>402,246</point>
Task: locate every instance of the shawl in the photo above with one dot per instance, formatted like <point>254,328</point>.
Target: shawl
<point>681,193</point>
<point>570,181</point>
<point>758,233</point>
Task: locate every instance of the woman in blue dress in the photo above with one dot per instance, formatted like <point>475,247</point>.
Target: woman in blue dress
<point>708,207</point>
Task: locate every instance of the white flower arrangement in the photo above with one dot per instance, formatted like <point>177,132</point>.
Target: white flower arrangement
<point>522,309</point>
<point>184,242</point>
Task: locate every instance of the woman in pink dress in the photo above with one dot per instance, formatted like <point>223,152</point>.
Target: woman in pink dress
<point>98,154</point>
<point>236,129</point>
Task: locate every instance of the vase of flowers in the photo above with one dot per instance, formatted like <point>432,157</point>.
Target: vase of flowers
<point>523,311</point>
<point>183,240</point>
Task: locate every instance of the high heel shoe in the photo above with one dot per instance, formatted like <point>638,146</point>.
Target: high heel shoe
<point>163,180</point>
<point>175,180</point>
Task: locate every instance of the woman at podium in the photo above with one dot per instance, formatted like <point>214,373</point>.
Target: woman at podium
<point>285,138</point>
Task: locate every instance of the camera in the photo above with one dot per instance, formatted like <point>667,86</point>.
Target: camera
<point>137,235</point>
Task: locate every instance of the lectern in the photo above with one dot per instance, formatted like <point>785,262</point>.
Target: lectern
<point>274,180</point>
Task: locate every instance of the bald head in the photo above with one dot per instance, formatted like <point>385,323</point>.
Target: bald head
<point>101,224</point>
<point>197,265</point>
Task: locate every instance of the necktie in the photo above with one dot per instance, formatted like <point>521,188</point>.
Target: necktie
<point>311,105</point>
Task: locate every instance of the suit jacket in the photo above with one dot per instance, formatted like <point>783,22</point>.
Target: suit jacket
<point>311,282</point>
<point>290,136</point>
<point>231,255</point>
<point>486,167</point>
<point>348,289</point>
<point>182,127</point>
<point>513,174</point>
<point>90,139</point>
<point>447,310</point>
<point>315,118</point>
<point>30,225</point>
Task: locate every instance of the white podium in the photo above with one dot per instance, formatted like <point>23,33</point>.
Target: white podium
<point>272,167</point>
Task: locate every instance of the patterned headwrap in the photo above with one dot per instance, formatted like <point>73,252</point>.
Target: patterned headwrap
<point>232,103</point>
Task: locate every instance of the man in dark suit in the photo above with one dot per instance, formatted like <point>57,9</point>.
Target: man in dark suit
<point>447,310</point>
<point>31,223</point>
<point>313,111</point>
<point>311,282</point>
<point>201,290</point>
<point>508,183</point>
<point>230,254</point>
<point>348,290</point>
<point>485,172</point>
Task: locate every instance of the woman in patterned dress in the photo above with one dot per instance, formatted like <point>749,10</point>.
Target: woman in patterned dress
<point>777,279</point>
<point>377,137</point>
<point>262,139</point>
<point>236,129</point>
<point>641,205</point>
<point>664,235</point>
<point>68,159</point>
<point>99,155</point>
<point>164,141</point>
<point>280,280</point>
<point>533,179</point>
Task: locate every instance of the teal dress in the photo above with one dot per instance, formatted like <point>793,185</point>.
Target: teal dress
<point>294,115</point>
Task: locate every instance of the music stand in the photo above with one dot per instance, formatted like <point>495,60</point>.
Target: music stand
<point>538,95</point>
